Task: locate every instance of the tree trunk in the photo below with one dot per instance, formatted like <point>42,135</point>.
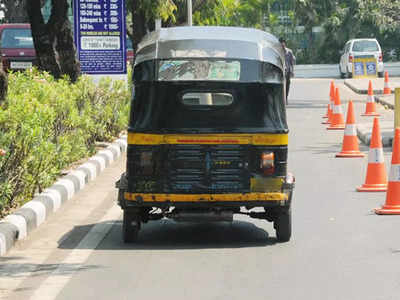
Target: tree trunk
<point>54,43</point>
<point>59,24</point>
<point>139,29</point>
<point>43,41</point>
<point>3,85</point>
<point>15,11</point>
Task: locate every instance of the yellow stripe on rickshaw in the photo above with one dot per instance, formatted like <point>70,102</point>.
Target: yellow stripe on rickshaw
<point>206,197</point>
<point>208,139</point>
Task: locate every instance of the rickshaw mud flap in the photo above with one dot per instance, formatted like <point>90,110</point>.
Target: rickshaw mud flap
<point>249,197</point>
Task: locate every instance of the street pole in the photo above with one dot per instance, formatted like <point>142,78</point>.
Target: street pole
<point>189,12</point>
<point>397,108</point>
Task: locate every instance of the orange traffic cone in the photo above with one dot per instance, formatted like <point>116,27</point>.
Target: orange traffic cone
<point>370,109</point>
<point>392,205</point>
<point>386,89</point>
<point>376,180</point>
<point>329,109</point>
<point>337,121</point>
<point>350,140</point>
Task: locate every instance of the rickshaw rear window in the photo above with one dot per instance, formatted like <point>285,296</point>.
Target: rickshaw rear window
<point>207,98</point>
<point>199,70</point>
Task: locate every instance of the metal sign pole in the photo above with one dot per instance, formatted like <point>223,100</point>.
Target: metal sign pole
<point>189,12</point>
<point>397,108</point>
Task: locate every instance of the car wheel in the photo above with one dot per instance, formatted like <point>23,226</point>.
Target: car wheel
<point>381,74</point>
<point>130,227</point>
<point>349,75</point>
<point>283,225</point>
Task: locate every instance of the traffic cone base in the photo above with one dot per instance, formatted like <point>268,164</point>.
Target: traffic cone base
<point>372,188</point>
<point>388,210</point>
<point>350,154</point>
<point>337,127</point>
<point>370,115</point>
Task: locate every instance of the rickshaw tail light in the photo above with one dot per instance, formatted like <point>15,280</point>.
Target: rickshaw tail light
<point>267,165</point>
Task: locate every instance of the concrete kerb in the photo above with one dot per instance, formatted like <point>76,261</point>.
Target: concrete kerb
<point>361,90</point>
<point>32,214</point>
<point>364,133</point>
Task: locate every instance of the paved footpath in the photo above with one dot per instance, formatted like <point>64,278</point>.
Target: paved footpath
<point>18,225</point>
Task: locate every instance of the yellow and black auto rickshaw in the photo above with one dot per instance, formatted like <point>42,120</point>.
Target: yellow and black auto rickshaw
<point>208,136</point>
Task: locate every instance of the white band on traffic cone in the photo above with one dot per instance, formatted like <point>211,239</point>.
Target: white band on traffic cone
<point>371,99</point>
<point>337,109</point>
<point>375,156</point>
<point>351,129</point>
<point>394,173</point>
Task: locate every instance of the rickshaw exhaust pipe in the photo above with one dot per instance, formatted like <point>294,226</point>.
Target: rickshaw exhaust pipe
<point>187,216</point>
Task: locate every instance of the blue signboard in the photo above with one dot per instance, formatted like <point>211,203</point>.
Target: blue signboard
<point>371,68</point>
<point>100,36</point>
<point>358,68</point>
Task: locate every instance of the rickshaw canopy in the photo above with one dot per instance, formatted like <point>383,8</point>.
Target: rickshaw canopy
<point>211,42</point>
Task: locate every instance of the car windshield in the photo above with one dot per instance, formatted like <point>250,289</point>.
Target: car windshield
<point>365,46</point>
<point>16,38</point>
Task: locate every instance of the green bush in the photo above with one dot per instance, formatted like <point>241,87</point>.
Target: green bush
<point>45,125</point>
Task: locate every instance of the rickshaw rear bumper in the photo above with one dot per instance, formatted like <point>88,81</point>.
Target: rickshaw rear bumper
<point>209,200</point>
<point>283,197</point>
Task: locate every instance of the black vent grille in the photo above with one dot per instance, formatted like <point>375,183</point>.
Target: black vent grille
<point>208,169</point>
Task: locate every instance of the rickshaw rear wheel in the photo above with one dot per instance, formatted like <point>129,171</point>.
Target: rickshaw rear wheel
<point>283,225</point>
<point>130,226</point>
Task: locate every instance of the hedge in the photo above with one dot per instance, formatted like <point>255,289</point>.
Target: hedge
<point>46,125</point>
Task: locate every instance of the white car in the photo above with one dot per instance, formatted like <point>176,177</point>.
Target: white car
<point>360,47</point>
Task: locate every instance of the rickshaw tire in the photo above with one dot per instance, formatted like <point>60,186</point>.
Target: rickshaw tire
<point>283,225</point>
<point>130,231</point>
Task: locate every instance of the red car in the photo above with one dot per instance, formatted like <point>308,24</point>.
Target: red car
<point>16,47</point>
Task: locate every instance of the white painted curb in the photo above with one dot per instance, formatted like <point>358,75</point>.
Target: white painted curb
<point>51,199</point>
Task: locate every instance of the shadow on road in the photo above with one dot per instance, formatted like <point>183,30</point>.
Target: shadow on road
<point>169,235</point>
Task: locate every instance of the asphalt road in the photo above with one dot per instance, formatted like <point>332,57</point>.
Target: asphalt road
<point>340,250</point>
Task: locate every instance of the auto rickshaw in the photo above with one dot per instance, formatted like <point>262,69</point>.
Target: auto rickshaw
<point>208,136</point>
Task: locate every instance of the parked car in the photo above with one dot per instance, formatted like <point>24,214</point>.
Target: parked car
<point>360,47</point>
<point>16,47</point>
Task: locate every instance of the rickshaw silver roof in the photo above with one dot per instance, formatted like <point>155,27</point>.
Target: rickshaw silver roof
<point>211,42</point>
